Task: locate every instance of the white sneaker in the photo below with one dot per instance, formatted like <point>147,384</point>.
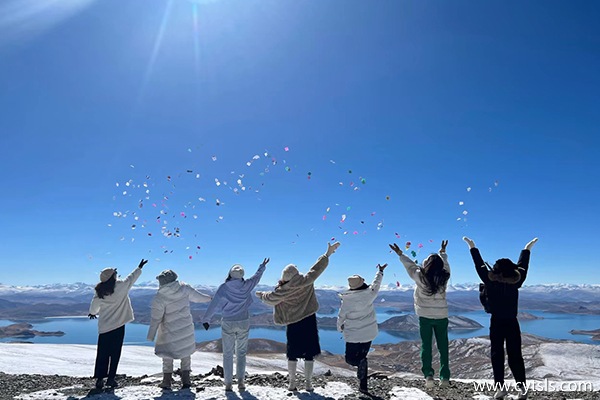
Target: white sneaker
<point>429,383</point>
<point>500,394</point>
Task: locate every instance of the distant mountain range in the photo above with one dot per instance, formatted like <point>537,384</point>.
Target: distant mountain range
<point>28,303</point>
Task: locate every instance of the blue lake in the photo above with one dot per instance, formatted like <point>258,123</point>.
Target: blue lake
<point>84,331</point>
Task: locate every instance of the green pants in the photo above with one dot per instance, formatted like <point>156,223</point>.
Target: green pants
<point>427,328</point>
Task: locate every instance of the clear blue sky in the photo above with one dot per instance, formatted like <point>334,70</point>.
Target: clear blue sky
<point>421,99</point>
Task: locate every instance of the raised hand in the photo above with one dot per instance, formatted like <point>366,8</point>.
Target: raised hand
<point>92,316</point>
<point>470,242</point>
<point>259,294</point>
<point>142,263</point>
<point>331,248</point>
<point>396,249</point>
<point>443,247</point>
<point>529,245</point>
<point>381,267</point>
<point>265,262</point>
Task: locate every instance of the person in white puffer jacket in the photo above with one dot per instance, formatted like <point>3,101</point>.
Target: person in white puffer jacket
<point>358,322</point>
<point>171,319</point>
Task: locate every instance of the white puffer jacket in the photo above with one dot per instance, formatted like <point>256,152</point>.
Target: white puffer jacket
<point>172,319</point>
<point>357,319</point>
<point>432,306</point>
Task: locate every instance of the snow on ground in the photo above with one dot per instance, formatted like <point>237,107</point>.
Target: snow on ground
<point>332,391</point>
<point>78,360</point>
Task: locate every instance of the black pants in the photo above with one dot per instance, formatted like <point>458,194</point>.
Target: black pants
<point>355,352</point>
<point>506,329</point>
<point>108,353</point>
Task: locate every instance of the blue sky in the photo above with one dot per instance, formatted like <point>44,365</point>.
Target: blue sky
<point>420,100</point>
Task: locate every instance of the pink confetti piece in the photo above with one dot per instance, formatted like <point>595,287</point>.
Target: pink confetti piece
<point>420,245</point>
<point>286,148</point>
<point>324,217</point>
<point>332,239</point>
<point>398,236</point>
<point>355,232</point>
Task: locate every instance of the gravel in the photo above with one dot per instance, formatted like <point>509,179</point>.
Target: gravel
<point>379,386</point>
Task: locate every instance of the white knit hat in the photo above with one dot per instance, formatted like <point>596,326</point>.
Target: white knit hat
<point>289,272</point>
<point>355,281</point>
<point>236,272</point>
<point>107,273</point>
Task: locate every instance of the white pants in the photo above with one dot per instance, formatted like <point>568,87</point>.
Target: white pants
<point>235,337</point>
<point>186,364</point>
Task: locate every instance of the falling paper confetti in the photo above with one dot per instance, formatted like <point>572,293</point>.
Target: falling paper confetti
<point>214,158</point>
<point>387,197</point>
<point>407,245</point>
<point>469,189</point>
<point>460,203</point>
<point>286,148</point>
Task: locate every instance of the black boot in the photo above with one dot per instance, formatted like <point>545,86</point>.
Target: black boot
<point>363,369</point>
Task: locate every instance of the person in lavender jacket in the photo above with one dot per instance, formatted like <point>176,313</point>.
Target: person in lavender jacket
<point>232,300</point>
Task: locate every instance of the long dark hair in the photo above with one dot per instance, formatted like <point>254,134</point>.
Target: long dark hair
<point>106,288</point>
<point>433,274</point>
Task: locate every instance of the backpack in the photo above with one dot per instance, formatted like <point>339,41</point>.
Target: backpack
<point>483,294</point>
<point>483,298</point>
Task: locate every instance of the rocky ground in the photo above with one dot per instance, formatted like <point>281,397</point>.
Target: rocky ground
<point>379,385</point>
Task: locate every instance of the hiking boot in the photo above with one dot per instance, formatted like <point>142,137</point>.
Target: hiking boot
<point>522,394</point>
<point>228,387</point>
<point>112,383</point>
<point>429,382</point>
<point>500,394</point>
<point>166,381</point>
<point>186,382</point>
<point>444,383</point>
<point>241,387</point>
<point>99,383</point>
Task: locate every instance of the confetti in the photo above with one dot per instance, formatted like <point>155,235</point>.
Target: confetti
<point>288,169</point>
<point>469,189</point>
<point>465,212</point>
<point>332,239</point>
<point>286,148</point>
<point>363,180</point>
<point>343,218</point>
<point>397,285</point>
<point>414,254</point>
<point>398,236</point>
<point>387,197</point>
<point>408,245</point>
<point>460,203</point>
<point>214,158</point>
<point>355,232</point>
<point>420,245</point>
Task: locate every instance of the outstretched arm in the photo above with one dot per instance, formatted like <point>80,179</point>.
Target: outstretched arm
<point>480,266</point>
<point>317,269</point>
<point>523,263</point>
<point>254,279</point>
<point>411,267</point>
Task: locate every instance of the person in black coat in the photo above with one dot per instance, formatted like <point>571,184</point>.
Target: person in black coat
<point>502,283</point>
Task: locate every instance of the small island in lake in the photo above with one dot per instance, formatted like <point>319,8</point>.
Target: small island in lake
<point>24,331</point>
<point>595,334</point>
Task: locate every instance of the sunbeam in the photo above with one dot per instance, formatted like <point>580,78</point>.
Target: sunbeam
<point>155,50</point>
<point>25,19</point>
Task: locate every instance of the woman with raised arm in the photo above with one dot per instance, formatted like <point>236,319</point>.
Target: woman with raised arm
<point>431,307</point>
<point>358,322</point>
<point>111,301</point>
<point>295,306</point>
<point>233,299</point>
<point>502,285</point>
